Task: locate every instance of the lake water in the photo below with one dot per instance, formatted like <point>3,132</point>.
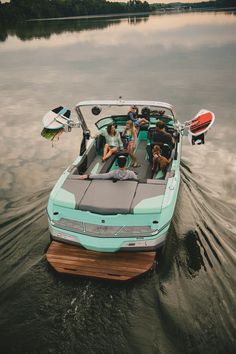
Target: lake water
<point>187,304</point>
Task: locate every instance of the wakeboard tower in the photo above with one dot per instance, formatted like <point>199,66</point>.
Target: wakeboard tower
<point>94,224</point>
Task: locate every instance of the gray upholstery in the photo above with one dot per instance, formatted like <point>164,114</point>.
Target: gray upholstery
<point>107,197</point>
<point>85,161</point>
<point>146,191</point>
<point>76,187</point>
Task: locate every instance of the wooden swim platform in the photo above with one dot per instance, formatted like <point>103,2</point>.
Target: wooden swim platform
<point>69,259</point>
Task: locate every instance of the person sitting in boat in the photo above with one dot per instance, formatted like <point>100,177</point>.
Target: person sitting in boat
<point>121,174</point>
<point>159,160</point>
<point>133,115</point>
<point>129,137</point>
<point>160,136</point>
<point>113,141</point>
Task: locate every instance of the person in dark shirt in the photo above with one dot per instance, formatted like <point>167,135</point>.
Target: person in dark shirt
<point>161,136</point>
<point>133,115</point>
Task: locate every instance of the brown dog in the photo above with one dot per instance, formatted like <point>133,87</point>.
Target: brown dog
<point>159,159</point>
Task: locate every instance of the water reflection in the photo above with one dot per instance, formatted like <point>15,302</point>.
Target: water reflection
<point>44,29</point>
<point>185,59</point>
<point>187,31</point>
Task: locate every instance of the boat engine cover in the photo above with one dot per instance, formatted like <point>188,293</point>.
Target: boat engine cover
<point>107,197</point>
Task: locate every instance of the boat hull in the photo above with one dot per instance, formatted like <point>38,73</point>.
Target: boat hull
<point>93,215</point>
<point>104,243</point>
<point>110,245</point>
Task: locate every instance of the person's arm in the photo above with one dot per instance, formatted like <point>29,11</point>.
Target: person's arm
<point>124,131</point>
<point>84,177</point>
<point>131,115</point>
<point>108,175</point>
<point>132,175</point>
<point>171,141</point>
<point>121,146</point>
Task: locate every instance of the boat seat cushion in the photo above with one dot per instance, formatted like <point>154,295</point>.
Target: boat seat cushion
<point>71,192</point>
<point>148,198</point>
<point>107,197</point>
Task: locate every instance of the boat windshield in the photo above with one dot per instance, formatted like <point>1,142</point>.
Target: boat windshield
<point>103,114</point>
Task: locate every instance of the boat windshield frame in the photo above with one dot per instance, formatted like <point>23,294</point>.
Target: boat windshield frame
<point>120,103</point>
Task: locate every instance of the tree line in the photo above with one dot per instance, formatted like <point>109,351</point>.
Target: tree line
<point>21,10</point>
<point>214,4</point>
<point>199,5</point>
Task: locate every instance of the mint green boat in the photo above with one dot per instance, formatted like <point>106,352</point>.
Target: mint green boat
<point>108,215</point>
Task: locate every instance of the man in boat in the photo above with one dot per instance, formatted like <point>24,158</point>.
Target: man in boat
<point>160,136</point>
<point>121,174</point>
<point>133,115</point>
<point>163,144</point>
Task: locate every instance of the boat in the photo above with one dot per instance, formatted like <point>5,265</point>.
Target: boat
<point>115,217</point>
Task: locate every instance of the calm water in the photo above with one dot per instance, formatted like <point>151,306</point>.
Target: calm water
<point>187,304</point>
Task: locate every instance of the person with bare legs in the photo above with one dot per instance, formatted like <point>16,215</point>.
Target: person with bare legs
<point>130,140</point>
<point>133,115</point>
<point>113,141</point>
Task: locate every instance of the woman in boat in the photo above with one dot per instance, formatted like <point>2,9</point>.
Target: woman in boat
<point>113,141</point>
<point>133,115</point>
<point>129,136</point>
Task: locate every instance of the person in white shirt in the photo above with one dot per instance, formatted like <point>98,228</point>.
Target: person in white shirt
<point>113,141</point>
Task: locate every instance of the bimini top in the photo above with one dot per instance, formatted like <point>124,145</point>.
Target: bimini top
<point>125,103</point>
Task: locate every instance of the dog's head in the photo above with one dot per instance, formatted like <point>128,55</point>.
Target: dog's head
<point>156,150</point>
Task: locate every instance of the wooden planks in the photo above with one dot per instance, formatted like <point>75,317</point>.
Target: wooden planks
<point>75,260</point>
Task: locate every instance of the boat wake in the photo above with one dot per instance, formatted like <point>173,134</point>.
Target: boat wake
<point>188,302</point>
<point>196,274</point>
<point>24,234</point>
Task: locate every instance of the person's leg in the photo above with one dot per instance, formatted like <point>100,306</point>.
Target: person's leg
<point>143,121</point>
<point>110,152</point>
<point>131,153</point>
<point>105,151</point>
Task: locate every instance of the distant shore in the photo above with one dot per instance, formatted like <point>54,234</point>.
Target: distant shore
<point>163,11</point>
<point>92,16</point>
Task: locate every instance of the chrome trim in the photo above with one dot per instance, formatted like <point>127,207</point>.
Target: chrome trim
<point>104,231</point>
<point>136,245</point>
